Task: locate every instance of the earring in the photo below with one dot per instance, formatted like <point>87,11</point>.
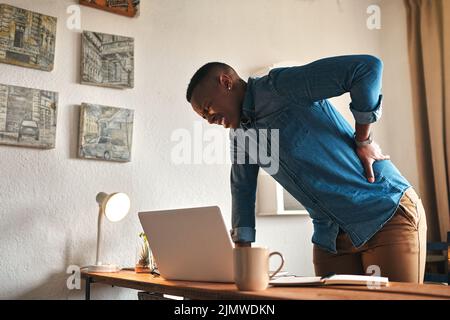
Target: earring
<point>229,88</point>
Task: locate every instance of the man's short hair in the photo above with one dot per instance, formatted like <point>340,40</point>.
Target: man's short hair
<point>201,74</point>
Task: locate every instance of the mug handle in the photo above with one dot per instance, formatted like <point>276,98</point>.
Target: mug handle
<point>281,265</point>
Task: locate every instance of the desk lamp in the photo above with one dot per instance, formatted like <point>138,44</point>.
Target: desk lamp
<point>115,207</point>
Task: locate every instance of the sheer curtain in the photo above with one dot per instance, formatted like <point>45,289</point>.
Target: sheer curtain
<point>429,56</point>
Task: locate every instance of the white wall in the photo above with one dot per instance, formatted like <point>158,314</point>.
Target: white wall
<point>47,198</point>
<point>398,123</point>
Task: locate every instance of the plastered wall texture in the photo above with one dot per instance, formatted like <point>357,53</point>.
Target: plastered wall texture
<point>48,212</point>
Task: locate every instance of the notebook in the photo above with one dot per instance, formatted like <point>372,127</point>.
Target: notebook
<point>340,279</point>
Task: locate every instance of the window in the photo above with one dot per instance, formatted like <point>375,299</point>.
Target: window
<point>103,140</point>
<point>117,71</point>
<point>18,36</point>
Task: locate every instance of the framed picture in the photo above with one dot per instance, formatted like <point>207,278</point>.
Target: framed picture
<point>273,200</point>
<point>106,133</point>
<point>27,38</point>
<point>28,117</point>
<point>107,60</point>
<point>129,8</point>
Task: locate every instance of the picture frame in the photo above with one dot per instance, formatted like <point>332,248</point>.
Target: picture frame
<point>105,133</point>
<point>27,38</point>
<point>107,60</point>
<point>28,117</point>
<point>128,8</point>
<point>273,200</point>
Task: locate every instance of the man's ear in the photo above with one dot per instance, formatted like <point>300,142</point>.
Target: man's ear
<point>226,81</point>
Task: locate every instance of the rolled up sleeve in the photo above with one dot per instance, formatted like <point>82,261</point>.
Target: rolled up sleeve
<point>360,75</point>
<point>369,116</point>
<point>243,234</point>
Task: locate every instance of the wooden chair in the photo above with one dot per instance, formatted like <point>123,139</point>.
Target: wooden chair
<point>438,259</point>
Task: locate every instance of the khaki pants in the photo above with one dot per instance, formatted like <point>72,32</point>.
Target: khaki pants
<point>398,249</point>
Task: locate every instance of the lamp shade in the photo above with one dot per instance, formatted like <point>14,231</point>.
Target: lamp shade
<point>115,206</point>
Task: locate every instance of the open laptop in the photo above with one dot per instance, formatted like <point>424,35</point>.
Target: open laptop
<point>190,244</point>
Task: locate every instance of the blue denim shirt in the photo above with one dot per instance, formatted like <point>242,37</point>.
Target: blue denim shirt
<point>318,164</point>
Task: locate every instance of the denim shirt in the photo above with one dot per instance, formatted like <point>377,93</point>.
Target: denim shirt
<point>318,164</point>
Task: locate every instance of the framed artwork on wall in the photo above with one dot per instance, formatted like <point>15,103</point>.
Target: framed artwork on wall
<point>27,38</point>
<point>107,60</point>
<point>106,133</point>
<point>28,117</point>
<point>129,8</point>
<point>273,200</point>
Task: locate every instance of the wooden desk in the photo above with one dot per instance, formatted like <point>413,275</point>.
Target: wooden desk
<point>217,291</point>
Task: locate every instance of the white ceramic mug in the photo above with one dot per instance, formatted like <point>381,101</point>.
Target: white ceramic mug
<point>251,268</point>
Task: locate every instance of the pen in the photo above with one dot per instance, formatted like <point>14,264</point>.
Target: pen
<point>327,276</point>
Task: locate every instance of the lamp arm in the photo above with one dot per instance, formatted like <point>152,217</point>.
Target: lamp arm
<point>99,234</point>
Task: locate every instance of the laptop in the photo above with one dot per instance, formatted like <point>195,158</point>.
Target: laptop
<point>190,244</point>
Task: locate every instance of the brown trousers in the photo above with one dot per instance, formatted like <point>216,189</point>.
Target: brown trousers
<point>398,249</point>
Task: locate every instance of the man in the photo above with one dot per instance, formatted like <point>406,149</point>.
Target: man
<point>364,212</point>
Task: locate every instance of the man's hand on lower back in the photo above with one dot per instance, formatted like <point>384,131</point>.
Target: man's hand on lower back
<point>368,155</point>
